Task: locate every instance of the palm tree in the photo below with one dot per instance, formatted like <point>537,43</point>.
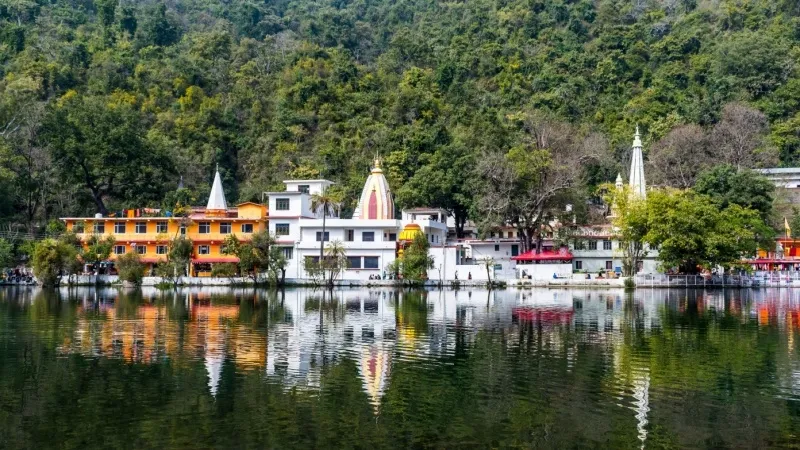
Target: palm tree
<point>324,202</point>
<point>335,259</point>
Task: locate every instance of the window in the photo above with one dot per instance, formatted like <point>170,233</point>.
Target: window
<point>609,265</point>
<point>578,265</point>
<point>161,249</point>
<point>282,229</point>
<point>161,227</point>
<point>141,249</point>
<point>247,228</point>
<point>303,188</point>
<point>203,250</point>
<point>496,248</point>
<point>282,204</point>
<point>592,245</point>
<point>288,252</point>
<point>368,236</point>
<point>606,245</point>
<point>327,236</point>
<point>205,227</point>
<point>141,227</point>
<point>119,227</point>
<point>392,237</point>
<point>514,249</point>
<point>99,227</point>
<point>354,262</point>
<point>225,228</point>
<point>579,244</point>
<point>371,262</point>
<point>349,235</point>
<point>119,249</point>
<point>77,227</point>
<point>183,230</point>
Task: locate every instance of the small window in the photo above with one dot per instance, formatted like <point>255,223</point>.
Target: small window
<point>353,262</point>
<point>205,227</point>
<point>282,204</point>
<point>141,227</point>
<point>282,229</point>
<point>609,265</point>
<point>224,228</point>
<point>606,245</point>
<point>183,230</point>
<point>203,250</point>
<point>247,228</point>
<point>368,236</point>
<point>119,227</point>
<point>77,227</point>
<point>304,188</point>
<point>288,252</point>
<point>496,248</point>
<point>392,237</point>
<point>371,262</point>
<point>578,265</point>
<point>161,250</point>
<point>141,249</point>
<point>161,227</point>
<point>99,227</point>
<point>349,235</point>
<point>327,236</point>
<point>119,249</point>
<point>592,245</point>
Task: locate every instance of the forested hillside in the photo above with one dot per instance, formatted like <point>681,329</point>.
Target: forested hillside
<point>106,104</point>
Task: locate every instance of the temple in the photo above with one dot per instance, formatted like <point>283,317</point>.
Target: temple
<point>376,201</point>
<point>637,183</point>
<point>149,231</point>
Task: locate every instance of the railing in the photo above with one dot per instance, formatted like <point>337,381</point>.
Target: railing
<point>753,280</point>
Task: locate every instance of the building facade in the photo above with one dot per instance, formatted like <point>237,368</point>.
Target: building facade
<point>149,232</point>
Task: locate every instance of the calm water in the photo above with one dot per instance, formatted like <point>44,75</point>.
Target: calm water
<point>385,369</point>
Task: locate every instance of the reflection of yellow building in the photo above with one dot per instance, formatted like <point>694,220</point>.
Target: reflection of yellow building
<point>149,231</point>
<point>375,365</point>
<point>212,333</point>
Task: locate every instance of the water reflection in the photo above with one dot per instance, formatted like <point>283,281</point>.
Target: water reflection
<point>407,368</point>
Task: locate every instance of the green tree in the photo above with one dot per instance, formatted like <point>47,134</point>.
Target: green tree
<point>416,260</point>
<point>100,145</point>
<point>97,250</point>
<point>254,255</point>
<point>323,204</point>
<point>692,232</point>
<point>335,261</point>
<point>746,188</point>
<point>52,259</point>
<point>6,254</point>
<point>629,217</point>
<point>130,268</point>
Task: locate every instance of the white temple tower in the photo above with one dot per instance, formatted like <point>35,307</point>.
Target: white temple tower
<point>216,201</point>
<point>376,199</point>
<point>637,183</point>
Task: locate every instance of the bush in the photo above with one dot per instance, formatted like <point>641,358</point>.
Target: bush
<point>52,258</point>
<point>223,270</point>
<point>130,268</point>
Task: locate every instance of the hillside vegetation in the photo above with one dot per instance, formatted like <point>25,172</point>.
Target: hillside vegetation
<point>106,104</point>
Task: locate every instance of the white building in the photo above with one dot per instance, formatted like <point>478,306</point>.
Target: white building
<point>370,237</point>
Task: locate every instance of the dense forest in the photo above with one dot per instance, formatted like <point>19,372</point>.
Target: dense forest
<point>108,104</point>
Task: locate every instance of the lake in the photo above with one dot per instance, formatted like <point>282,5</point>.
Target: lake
<point>379,368</point>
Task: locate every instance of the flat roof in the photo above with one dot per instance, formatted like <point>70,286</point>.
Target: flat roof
<point>309,181</point>
<point>780,170</point>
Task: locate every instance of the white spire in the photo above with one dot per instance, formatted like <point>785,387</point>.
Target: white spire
<point>216,200</point>
<point>637,183</point>
<point>618,183</point>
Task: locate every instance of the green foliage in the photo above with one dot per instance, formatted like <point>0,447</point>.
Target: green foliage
<point>631,223</point>
<point>117,100</point>
<point>53,258</point>
<point>746,188</point>
<point>691,231</point>
<point>415,260</point>
<point>254,256</point>
<point>6,254</point>
<point>130,268</point>
<point>97,249</point>
<point>224,270</point>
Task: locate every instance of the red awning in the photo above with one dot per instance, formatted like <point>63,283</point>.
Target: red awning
<point>219,259</point>
<point>562,254</point>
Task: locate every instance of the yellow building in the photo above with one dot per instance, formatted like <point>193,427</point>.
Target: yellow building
<point>149,231</point>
